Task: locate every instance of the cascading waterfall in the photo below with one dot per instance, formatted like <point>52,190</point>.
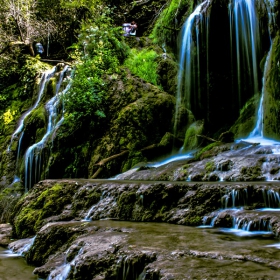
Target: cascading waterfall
<point>245,222</point>
<point>198,85</point>
<point>187,77</point>
<point>245,41</point>
<point>62,272</point>
<point>23,249</point>
<point>33,154</point>
<point>257,132</point>
<point>19,132</point>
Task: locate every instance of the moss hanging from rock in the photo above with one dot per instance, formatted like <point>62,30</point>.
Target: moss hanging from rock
<point>272,95</point>
<point>191,140</point>
<point>170,20</point>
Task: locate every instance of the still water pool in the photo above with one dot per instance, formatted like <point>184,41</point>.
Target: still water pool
<point>14,267</point>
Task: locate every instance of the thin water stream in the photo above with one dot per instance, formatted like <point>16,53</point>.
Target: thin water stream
<point>14,267</point>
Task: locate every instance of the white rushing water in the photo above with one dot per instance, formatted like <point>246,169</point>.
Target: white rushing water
<point>245,40</point>
<point>187,79</point>
<point>256,222</point>
<point>44,79</point>
<point>33,153</point>
<point>62,272</point>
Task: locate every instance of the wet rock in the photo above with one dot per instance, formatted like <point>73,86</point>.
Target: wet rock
<point>5,234</point>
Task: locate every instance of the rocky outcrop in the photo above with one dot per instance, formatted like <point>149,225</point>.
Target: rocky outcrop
<point>79,227</point>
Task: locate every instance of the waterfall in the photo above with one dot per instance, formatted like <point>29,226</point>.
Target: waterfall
<point>19,132</point>
<point>258,130</point>
<point>203,76</point>
<point>21,246</point>
<point>245,222</point>
<point>257,134</point>
<point>62,272</point>
<point>187,77</point>
<point>244,32</point>
<point>44,79</point>
<point>33,154</point>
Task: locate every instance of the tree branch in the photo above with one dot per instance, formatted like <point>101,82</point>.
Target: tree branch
<point>208,138</point>
<point>105,160</point>
<point>11,44</point>
<point>57,61</point>
<point>170,28</point>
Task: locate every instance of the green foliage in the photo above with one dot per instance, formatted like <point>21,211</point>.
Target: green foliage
<point>17,97</point>
<point>99,52</point>
<point>210,166</point>
<point>143,64</point>
<point>86,95</point>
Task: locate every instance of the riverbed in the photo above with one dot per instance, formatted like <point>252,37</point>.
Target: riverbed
<point>180,252</point>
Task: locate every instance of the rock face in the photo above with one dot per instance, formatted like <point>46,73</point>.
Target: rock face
<point>85,228</point>
<point>5,234</point>
<point>95,244</point>
<point>271,99</point>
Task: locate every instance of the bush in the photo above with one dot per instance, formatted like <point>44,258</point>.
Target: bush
<point>99,52</point>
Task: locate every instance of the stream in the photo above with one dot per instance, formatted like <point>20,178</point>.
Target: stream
<point>181,252</point>
<point>14,267</point>
<point>201,251</point>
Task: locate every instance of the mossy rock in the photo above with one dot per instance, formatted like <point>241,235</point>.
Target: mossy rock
<point>271,101</point>
<point>167,74</point>
<point>247,118</point>
<point>126,203</point>
<point>35,124</point>
<point>207,151</point>
<point>191,140</point>
<point>49,202</point>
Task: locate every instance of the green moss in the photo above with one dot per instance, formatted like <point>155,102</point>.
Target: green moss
<point>193,221</point>
<point>176,9</point>
<point>203,152</point>
<point>49,202</point>
<point>254,171</point>
<point>93,198</point>
<point>191,140</point>
<point>247,118</point>
<point>272,95</point>
<point>36,123</point>
<point>210,166</point>
<point>126,203</point>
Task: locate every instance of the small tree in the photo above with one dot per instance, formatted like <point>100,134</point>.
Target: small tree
<point>20,26</point>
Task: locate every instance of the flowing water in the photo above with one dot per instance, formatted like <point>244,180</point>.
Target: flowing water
<point>235,217</point>
<point>187,78</point>
<point>33,162</point>
<point>19,132</point>
<point>14,267</point>
<point>190,252</point>
<point>245,41</point>
<point>245,54</point>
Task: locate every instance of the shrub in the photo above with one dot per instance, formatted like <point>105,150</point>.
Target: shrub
<point>99,51</point>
